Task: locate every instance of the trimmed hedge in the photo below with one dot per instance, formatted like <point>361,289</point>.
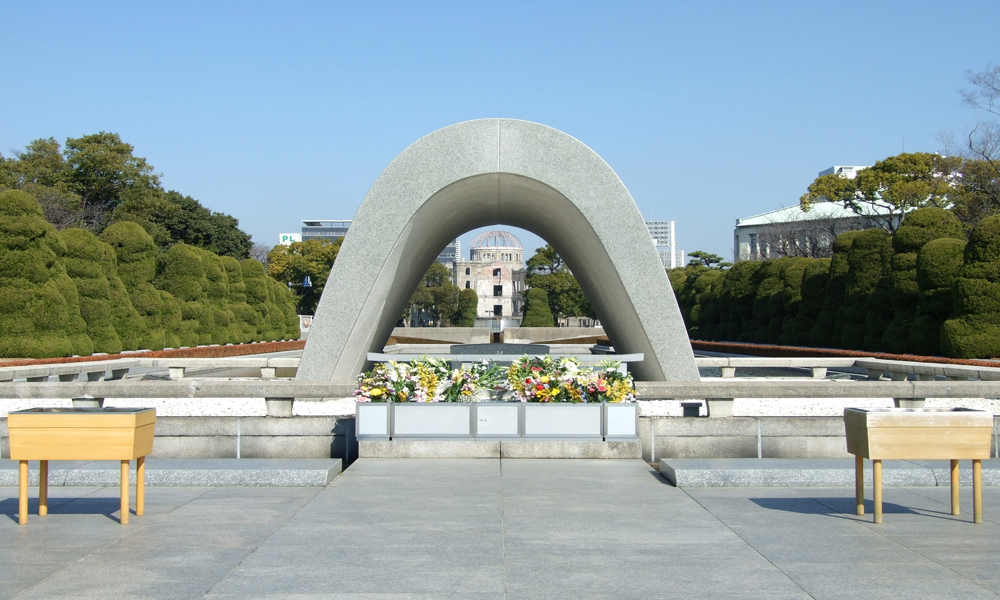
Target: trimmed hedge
<point>69,292</point>
<point>919,228</point>
<point>974,330</point>
<point>922,290</point>
<point>829,322</point>
<point>38,313</point>
<point>136,253</point>
<point>939,264</point>
<point>536,309</point>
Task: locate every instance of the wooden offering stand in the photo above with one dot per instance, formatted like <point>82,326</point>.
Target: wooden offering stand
<point>918,434</point>
<point>45,434</point>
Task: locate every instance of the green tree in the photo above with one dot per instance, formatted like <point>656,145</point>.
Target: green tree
<point>42,171</point>
<point>468,304</point>
<point>706,259</point>
<point>888,190</point>
<point>536,309</point>
<point>547,270</point>
<point>171,218</point>
<point>437,295</point>
<point>105,172</point>
<point>293,263</point>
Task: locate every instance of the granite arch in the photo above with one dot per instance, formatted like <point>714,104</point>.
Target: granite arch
<point>488,172</point>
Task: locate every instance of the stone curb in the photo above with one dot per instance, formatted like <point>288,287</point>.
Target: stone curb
<point>214,472</point>
<point>814,472</point>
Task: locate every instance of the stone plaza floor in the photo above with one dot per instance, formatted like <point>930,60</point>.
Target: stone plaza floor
<point>469,529</point>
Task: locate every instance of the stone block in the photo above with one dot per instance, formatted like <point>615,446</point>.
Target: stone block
<point>428,449</point>
<point>689,426</point>
<point>706,447</point>
<point>194,447</point>
<point>569,449</point>
<point>315,426</point>
<point>804,446</point>
<point>196,426</point>
<point>287,446</point>
<point>779,472</point>
<point>802,426</point>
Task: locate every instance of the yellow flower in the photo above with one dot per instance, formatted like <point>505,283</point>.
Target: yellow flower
<point>544,379</point>
<point>376,392</point>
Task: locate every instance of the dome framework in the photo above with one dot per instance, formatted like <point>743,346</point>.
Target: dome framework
<point>496,239</point>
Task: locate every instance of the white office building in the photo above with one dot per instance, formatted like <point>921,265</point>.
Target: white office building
<point>664,235</point>
<point>327,228</point>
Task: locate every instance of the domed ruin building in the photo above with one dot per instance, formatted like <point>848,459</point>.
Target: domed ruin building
<point>495,269</point>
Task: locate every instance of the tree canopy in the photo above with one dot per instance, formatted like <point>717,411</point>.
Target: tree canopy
<point>706,259</point>
<point>890,188</point>
<point>312,258</point>
<point>547,270</point>
<point>439,298</point>
<point>97,180</point>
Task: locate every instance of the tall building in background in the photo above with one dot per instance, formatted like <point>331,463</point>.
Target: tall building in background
<point>664,234</point>
<point>324,228</point>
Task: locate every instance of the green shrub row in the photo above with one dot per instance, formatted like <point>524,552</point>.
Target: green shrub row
<point>70,292</point>
<point>921,290</point>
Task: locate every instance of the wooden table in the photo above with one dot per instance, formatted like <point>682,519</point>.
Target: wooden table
<point>45,434</point>
<point>918,434</point>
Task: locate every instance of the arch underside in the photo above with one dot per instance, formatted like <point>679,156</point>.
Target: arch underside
<point>497,172</point>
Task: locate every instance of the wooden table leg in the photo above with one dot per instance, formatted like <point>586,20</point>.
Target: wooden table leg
<point>22,493</point>
<point>859,484</point>
<point>43,488</point>
<point>124,518</point>
<point>977,490</point>
<point>140,486</point>
<point>877,479</point>
<point>954,489</point>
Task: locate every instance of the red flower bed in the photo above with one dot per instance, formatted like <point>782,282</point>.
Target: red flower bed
<point>803,352</point>
<point>199,352</point>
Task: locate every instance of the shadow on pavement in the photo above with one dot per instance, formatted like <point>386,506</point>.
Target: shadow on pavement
<point>65,506</point>
<point>842,508</point>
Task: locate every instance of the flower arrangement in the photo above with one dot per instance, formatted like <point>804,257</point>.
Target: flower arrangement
<point>544,379</point>
<point>428,380</point>
<point>531,379</point>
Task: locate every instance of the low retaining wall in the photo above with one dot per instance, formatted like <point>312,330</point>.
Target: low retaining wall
<point>333,437</point>
<point>245,437</point>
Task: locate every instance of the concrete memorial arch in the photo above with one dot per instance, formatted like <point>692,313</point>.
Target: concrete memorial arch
<point>488,172</point>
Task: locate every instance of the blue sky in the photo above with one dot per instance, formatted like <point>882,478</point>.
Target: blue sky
<point>709,111</point>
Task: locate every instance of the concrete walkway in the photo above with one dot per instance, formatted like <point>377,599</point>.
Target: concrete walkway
<point>440,529</point>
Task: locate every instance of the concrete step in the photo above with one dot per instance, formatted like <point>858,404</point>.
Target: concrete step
<point>199,472</point>
<point>815,472</point>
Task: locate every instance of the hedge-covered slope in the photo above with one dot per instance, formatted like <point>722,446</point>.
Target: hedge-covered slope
<point>159,310</point>
<point>36,319</point>
<point>919,228</point>
<point>920,290</point>
<point>939,263</point>
<point>112,322</point>
<point>829,322</point>
<point>65,293</point>
<point>974,330</point>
